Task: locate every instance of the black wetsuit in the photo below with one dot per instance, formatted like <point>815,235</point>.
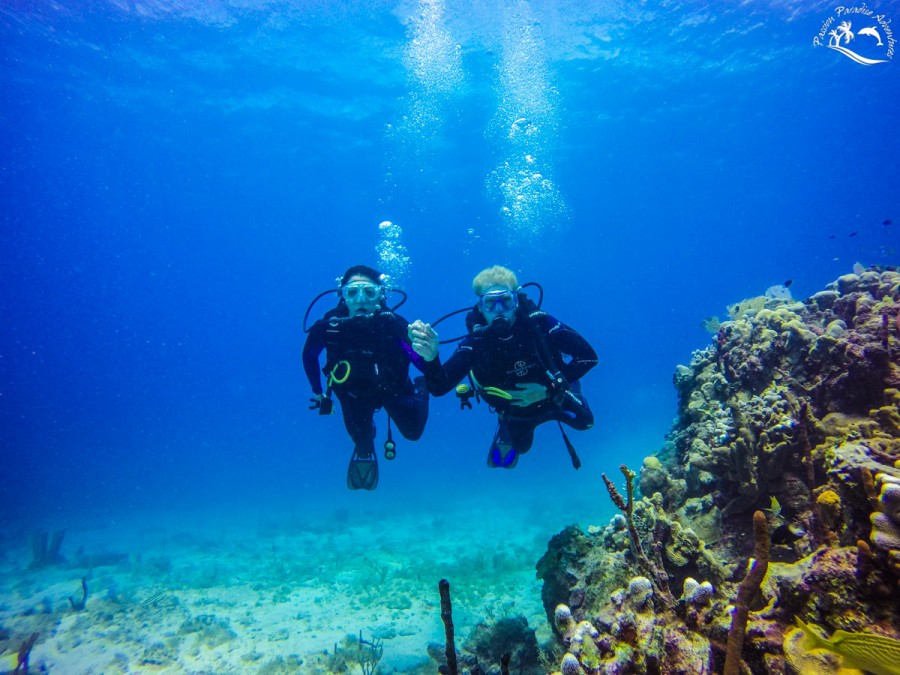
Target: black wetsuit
<point>532,351</point>
<point>378,352</point>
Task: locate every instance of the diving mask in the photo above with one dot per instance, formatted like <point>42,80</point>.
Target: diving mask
<point>360,292</point>
<point>498,302</point>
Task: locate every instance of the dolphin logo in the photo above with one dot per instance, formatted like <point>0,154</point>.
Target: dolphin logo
<point>868,30</point>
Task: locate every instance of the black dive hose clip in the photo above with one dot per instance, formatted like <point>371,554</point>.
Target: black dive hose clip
<point>464,393</point>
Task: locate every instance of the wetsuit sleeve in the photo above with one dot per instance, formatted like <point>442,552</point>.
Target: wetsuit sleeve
<point>402,328</point>
<point>568,341</point>
<point>315,343</point>
<point>414,357</point>
<point>441,378</point>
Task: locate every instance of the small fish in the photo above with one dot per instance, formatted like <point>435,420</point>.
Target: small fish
<point>788,283</point>
<point>774,507</point>
<point>886,222</point>
<point>832,236</point>
<point>852,234</point>
<point>867,651</point>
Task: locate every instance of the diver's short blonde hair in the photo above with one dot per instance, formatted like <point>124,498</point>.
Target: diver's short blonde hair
<point>494,276</point>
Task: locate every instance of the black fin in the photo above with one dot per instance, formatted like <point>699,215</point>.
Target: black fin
<point>362,473</point>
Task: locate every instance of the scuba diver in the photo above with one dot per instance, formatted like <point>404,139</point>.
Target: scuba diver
<point>367,357</point>
<point>513,355</point>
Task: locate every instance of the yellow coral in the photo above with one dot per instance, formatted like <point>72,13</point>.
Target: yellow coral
<point>652,463</point>
<point>829,499</point>
<point>684,545</point>
<point>799,328</point>
<point>583,646</point>
<point>828,505</point>
<point>888,416</point>
<point>675,556</point>
<point>740,310</point>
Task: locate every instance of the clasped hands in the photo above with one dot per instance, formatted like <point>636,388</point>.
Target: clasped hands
<point>424,341</point>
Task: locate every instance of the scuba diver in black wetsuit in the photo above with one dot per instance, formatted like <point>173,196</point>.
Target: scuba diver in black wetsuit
<point>367,366</point>
<point>513,355</point>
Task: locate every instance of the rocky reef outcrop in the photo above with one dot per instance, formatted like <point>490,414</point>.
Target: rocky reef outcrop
<point>786,447</point>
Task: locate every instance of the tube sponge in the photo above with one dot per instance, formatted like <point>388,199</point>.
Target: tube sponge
<point>885,532</point>
<point>565,623</point>
<point>889,496</point>
<point>886,519</point>
<point>570,666</point>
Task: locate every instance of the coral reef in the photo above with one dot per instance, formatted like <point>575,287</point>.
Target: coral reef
<point>506,641</point>
<point>79,605</point>
<point>490,642</point>
<point>208,630</point>
<point>447,619</point>
<point>792,413</point>
<point>24,654</point>
<point>747,590</point>
<point>369,653</point>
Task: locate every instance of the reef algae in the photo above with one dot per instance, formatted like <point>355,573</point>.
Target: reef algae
<point>792,412</point>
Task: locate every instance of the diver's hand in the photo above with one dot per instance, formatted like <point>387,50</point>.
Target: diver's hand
<point>424,339</point>
<point>528,393</point>
<point>322,403</point>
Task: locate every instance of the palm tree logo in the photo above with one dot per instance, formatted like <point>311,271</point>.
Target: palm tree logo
<point>842,32</point>
<point>840,37</point>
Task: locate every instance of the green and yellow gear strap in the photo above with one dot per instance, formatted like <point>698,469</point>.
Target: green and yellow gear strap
<point>332,376</point>
<point>492,391</point>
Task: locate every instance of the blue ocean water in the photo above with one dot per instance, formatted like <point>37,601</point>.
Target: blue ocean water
<point>180,179</point>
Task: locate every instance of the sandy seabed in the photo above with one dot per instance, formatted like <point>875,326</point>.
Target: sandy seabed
<point>279,592</point>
